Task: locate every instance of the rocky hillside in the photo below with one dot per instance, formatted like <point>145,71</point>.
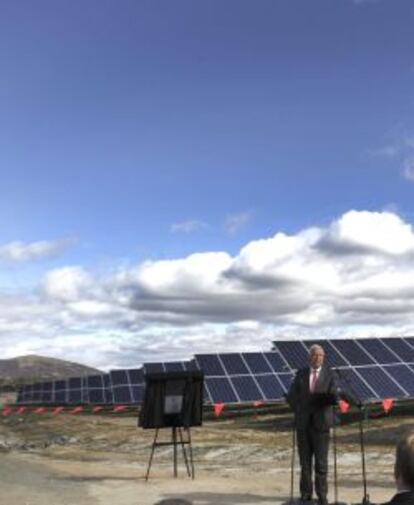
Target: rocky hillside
<point>26,368</point>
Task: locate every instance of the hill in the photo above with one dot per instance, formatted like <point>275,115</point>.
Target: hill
<point>32,367</point>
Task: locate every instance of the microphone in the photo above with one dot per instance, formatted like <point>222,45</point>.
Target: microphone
<point>347,394</point>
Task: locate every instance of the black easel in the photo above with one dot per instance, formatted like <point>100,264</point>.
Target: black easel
<point>174,443</point>
<point>173,400</point>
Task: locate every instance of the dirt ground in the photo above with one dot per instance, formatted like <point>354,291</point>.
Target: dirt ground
<point>102,460</point>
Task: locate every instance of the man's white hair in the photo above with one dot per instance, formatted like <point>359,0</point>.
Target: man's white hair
<point>316,347</point>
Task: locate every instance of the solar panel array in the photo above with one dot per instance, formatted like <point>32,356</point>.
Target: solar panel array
<point>74,390</point>
<point>117,387</point>
<point>371,369</point>
<point>244,377</point>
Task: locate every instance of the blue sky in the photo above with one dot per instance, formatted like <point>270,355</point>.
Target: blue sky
<point>152,130</point>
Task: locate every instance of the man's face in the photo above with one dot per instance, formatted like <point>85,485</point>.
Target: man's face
<point>316,358</point>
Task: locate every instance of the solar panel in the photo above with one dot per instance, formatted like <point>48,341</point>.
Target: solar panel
<point>206,394</point>
<point>256,362</point>
<point>174,366</point>
<point>60,390</point>
<point>381,354</point>
<point>120,386</point>
<point>294,352</point>
<point>153,367</point>
<point>20,395</point>
<point>210,364</point>
<point>403,375</point>
<point>108,394</point>
<point>30,393</point>
<point>169,366</point>
<point>95,389</point>
<point>353,353</point>
<point>380,382</point>
<point>400,348</point>
<point>47,392</point>
<point>246,388</point>
<point>349,380</point>
<point>272,387</point>
<point>221,390</point>
<point>286,380</point>
<point>127,385</point>
<point>234,364</point>
<point>25,394</point>
<point>75,390</point>
<point>410,341</point>
<point>277,363</point>
<point>136,378</point>
<point>37,392</point>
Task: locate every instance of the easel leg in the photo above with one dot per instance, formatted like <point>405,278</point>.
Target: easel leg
<point>174,442</point>
<point>190,445</point>
<point>184,451</point>
<point>154,443</point>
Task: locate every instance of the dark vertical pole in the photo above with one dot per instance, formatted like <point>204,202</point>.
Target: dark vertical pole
<point>180,432</point>
<point>174,437</point>
<point>365,500</point>
<point>335,463</point>
<point>191,453</point>
<point>154,443</point>
<point>292,463</point>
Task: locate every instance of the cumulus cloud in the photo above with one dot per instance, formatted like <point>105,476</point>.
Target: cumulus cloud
<point>356,232</point>
<point>34,251</point>
<point>235,222</point>
<point>353,277</point>
<point>189,226</point>
<point>66,284</point>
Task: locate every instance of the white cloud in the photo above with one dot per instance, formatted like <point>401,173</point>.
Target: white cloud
<point>235,222</point>
<point>353,277</point>
<point>20,252</point>
<point>364,1</point>
<point>389,151</point>
<point>408,168</point>
<point>401,150</point>
<point>189,226</point>
<point>67,284</point>
<point>377,231</point>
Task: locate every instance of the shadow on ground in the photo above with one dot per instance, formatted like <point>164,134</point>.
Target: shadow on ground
<point>232,499</point>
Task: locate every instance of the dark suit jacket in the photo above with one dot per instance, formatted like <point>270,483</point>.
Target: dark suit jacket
<point>315,408</point>
<point>405,498</point>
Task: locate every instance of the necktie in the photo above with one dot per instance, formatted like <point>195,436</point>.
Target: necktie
<point>314,378</point>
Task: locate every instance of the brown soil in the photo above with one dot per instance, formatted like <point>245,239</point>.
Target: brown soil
<point>102,460</point>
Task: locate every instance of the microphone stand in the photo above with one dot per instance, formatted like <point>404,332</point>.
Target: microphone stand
<point>354,397</point>
<point>292,463</point>
<point>336,502</point>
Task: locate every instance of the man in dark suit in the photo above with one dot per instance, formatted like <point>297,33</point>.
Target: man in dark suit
<point>312,396</point>
<point>404,471</point>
